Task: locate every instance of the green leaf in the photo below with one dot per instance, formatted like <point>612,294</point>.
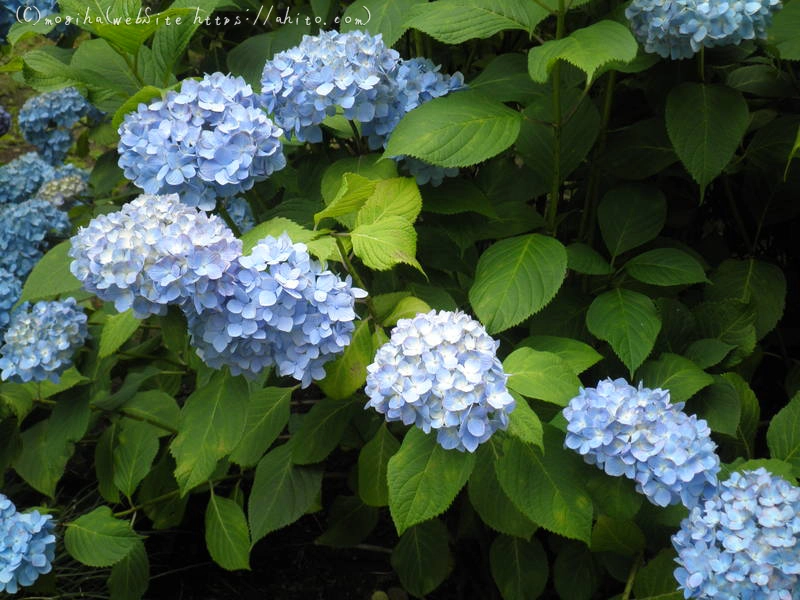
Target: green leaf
<point>211,425</point>
<point>156,407</point>
<point>541,375</point>
<point>373,463</point>
<point>638,151</point>
<point>345,375</point>
<point>350,522</point>
<point>576,575</point>
<point>783,435</point>
<point>321,430</point>
<point>424,479</point>
<point>628,321</point>
<point>516,278</point>
<point>351,196</point>
<point>276,227</point>
<point>506,79</point>
<point>422,558</point>
<point>778,467</point>
<point>614,496</point>
<point>117,330</point>
<point>490,501</point>
<point>457,130</point>
<point>705,123</point>
<point>620,537</point>
<point>282,492</point>
<point>386,243</point>
<point>267,415</point>
<point>793,154</point>
<point>137,447</point>
<point>397,197</point>
<point>751,281</point>
<point>524,424</point>
<point>656,579</point>
<point>97,539</point>
<point>729,321</point>
<point>104,464</point>
<point>666,266</point>
<point>707,352</point>
<point>783,32</point>
<point>721,404</point>
<point>369,166</point>
<point>456,196</point>
<point>577,355</point>
<point>130,577</point>
<point>51,276</point>
<point>675,373</point>
<point>547,486</point>
<point>227,536</point>
<point>406,308</point>
<point>519,568</point>
<point>631,215</point>
<point>386,17</point>
<point>589,49</point>
<point>129,36</point>
<point>456,21</point>
<point>586,260</point>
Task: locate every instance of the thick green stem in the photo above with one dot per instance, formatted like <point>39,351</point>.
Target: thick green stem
<point>637,562</point>
<point>223,212</point>
<point>555,194</point>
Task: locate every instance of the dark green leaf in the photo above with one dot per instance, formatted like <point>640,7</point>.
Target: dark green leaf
<point>675,373</point>
<point>97,539</point>
<point>51,276</point>
<point>665,266</point>
<point>320,430</point>
<point>631,215</point>
<point>227,536</point>
<point>373,462</point>
<point>519,568</point>
<point>541,375</point>
<point>267,415</point>
<point>422,558</point>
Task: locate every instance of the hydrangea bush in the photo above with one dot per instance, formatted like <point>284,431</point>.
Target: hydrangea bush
<point>470,299</point>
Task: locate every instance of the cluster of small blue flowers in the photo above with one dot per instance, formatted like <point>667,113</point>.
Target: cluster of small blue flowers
<point>23,176</point>
<point>5,121</point>
<point>744,542</point>
<point>424,172</point>
<point>41,340</point>
<point>10,290</point>
<point>241,213</point>
<point>27,546</point>
<point>153,252</point>
<point>12,11</point>
<point>24,229</point>
<point>210,139</point>
<point>281,308</point>
<point>439,371</point>
<point>680,28</point>
<point>46,121</point>
<point>305,84</point>
<point>640,434</point>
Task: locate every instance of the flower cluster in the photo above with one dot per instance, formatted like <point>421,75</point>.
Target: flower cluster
<point>640,434</point>
<point>742,543</point>
<point>24,228</point>
<point>46,121</point>
<point>280,308</point>
<point>11,11</point>
<point>41,339</point>
<point>346,71</point>
<point>5,121</point>
<point>439,371</point>
<point>240,213</point>
<point>153,252</point>
<point>23,176</point>
<point>64,191</point>
<point>680,28</point>
<point>27,546</point>
<point>207,140</point>
<point>10,290</point>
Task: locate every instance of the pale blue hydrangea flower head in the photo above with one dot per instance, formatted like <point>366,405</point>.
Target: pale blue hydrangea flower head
<point>345,71</point>
<point>439,371</point>
<point>240,213</point>
<point>27,546</point>
<point>424,172</point>
<point>64,191</point>
<point>744,542</point>
<point>5,121</point>
<point>41,340</point>
<point>210,139</point>
<point>22,177</point>
<point>679,28</point>
<point>24,229</point>
<point>154,252</point>
<point>281,308</point>
<point>639,433</point>
<point>46,121</point>
<point>10,290</point>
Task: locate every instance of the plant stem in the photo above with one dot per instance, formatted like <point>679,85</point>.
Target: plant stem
<point>701,63</point>
<point>356,138</point>
<point>555,194</point>
<point>223,212</point>
<point>355,274</point>
<point>637,562</point>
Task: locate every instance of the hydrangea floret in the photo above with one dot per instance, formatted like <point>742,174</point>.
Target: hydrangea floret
<point>154,252</point>
<point>22,177</point>
<point>680,28</point>
<point>27,546</point>
<point>744,542</point>
<point>46,121</point>
<point>10,290</point>
<point>64,191</point>
<point>439,371</point>
<point>241,213</point>
<point>24,229</point>
<point>281,308</point>
<point>639,433</point>
<point>207,140</point>
<point>41,340</point>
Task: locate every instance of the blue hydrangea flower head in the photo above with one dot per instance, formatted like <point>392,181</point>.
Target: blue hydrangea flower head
<point>46,121</point>
<point>10,291</point>
<point>744,542</point>
<point>424,172</point>
<point>281,308</point>
<point>13,11</point>
<point>679,28</point>
<point>5,121</point>
<point>27,546</point>
<point>41,340</point>
<point>240,213</point>
<point>639,433</point>
<point>24,229</point>
<point>64,191</point>
<point>153,252</point>
<point>22,177</point>
<point>345,71</point>
<point>207,140</point>
<point>439,371</point>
